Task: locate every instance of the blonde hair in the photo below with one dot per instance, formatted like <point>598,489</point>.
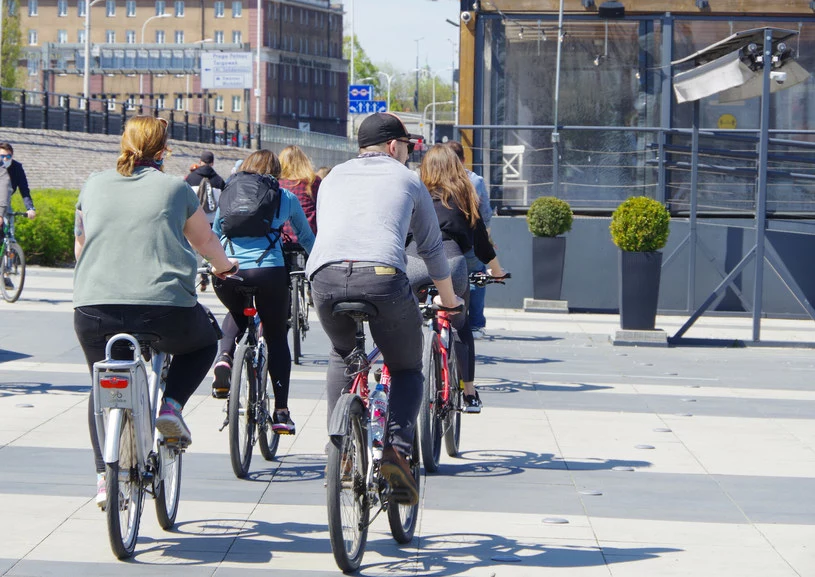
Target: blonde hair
<point>144,137</point>
<point>295,165</point>
<point>445,178</point>
<point>261,162</point>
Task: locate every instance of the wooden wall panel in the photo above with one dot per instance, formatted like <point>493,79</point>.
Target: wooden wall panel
<point>467,87</point>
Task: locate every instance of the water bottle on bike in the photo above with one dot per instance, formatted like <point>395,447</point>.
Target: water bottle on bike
<point>378,405</point>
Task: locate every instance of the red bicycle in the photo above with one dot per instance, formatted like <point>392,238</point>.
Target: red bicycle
<point>442,404</point>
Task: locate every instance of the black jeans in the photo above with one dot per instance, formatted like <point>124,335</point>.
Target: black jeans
<point>272,303</point>
<point>397,330</point>
<point>185,332</point>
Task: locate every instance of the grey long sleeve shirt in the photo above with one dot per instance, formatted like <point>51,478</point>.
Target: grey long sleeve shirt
<point>365,210</point>
<point>5,191</point>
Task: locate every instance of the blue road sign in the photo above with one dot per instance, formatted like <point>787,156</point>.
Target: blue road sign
<point>360,92</point>
<point>362,107</point>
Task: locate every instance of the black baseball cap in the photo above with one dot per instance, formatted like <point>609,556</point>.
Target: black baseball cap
<point>382,127</point>
<point>207,157</point>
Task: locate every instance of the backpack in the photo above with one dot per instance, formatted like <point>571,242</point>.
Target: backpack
<point>206,196</point>
<point>249,204</point>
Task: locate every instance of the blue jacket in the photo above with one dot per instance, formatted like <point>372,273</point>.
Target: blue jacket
<point>248,249</point>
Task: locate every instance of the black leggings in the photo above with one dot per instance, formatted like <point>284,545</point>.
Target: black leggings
<point>272,303</point>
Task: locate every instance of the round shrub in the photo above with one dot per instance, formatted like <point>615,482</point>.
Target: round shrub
<point>48,239</point>
<point>549,216</point>
<point>640,224</point>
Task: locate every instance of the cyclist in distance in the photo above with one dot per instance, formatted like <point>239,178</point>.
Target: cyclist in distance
<point>365,209</point>
<point>262,266</point>
<point>297,176</point>
<point>17,178</point>
<point>135,230</point>
<point>462,229</point>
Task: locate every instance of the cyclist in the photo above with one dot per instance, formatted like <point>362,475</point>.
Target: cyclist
<point>205,170</point>
<point>17,178</point>
<point>463,231</point>
<point>365,209</point>
<point>136,269</point>
<point>262,266</point>
<point>297,176</point>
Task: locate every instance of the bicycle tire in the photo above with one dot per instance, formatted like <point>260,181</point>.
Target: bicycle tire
<point>13,269</point>
<point>168,485</point>
<point>241,401</point>
<point>402,518</point>
<point>268,440</point>
<point>452,420</point>
<point>430,424</point>
<point>296,324</point>
<point>348,505</point>
<point>125,492</point>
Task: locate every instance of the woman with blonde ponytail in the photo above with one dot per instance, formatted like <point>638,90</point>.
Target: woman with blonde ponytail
<point>135,230</point>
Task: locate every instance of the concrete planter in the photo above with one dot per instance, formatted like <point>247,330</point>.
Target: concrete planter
<point>639,289</point>
<point>548,257</point>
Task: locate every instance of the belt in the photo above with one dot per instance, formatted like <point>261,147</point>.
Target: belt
<point>356,265</point>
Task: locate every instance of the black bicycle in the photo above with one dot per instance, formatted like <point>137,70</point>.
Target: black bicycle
<point>298,298</point>
<point>13,261</point>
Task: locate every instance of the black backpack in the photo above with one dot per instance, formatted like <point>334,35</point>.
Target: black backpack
<point>206,196</point>
<point>249,204</point>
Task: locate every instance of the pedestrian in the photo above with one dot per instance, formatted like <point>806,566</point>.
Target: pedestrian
<point>206,170</point>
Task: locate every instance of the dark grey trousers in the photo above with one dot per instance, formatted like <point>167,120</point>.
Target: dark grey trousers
<point>397,330</point>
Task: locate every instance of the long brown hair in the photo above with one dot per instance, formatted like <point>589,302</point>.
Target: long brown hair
<point>143,138</point>
<point>445,178</point>
<point>295,165</point>
<point>261,162</point>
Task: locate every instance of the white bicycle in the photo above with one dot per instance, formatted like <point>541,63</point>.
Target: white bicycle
<point>138,459</point>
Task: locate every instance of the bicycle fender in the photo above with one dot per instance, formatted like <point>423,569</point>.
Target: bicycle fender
<point>112,434</point>
<point>340,418</point>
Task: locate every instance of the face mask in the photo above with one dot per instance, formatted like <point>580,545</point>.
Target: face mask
<point>159,162</point>
<point>6,163</point>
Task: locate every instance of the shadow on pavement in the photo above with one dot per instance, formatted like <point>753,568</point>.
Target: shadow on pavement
<point>499,463</point>
<point>22,388</point>
<point>493,360</point>
<point>493,385</point>
<point>289,468</point>
<point>521,338</point>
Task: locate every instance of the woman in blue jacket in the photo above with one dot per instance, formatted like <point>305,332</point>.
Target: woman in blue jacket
<point>262,266</point>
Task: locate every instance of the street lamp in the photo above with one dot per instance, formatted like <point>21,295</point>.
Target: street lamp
<point>416,94</point>
<point>143,26</point>
<point>86,82</point>
<point>432,139</point>
<point>388,77</point>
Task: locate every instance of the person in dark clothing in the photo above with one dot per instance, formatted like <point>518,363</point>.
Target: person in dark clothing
<point>17,177</point>
<point>205,169</point>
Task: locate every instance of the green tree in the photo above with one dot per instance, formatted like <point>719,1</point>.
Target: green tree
<point>363,67</point>
<point>10,49</point>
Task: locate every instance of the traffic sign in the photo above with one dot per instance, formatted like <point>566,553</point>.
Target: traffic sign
<point>362,107</point>
<point>360,92</point>
<point>226,69</point>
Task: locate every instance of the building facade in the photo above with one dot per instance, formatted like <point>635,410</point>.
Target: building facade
<point>148,52</point>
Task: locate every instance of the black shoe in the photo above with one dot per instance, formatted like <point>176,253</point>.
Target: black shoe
<point>223,374</point>
<point>282,423</point>
<point>7,282</point>
<point>472,403</point>
<point>396,470</point>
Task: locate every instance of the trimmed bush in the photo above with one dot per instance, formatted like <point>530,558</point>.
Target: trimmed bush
<point>549,216</point>
<point>48,239</point>
<point>640,224</point>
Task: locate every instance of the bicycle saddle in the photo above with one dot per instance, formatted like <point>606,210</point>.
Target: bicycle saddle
<point>143,338</point>
<point>355,308</point>
<point>246,290</point>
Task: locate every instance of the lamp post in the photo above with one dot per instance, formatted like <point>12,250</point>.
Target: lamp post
<point>454,44</point>
<point>187,105</point>
<point>556,133</point>
<point>433,118</point>
<point>143,26</point>
<point>86,81</point>
<point>416,94</point>
<point>388,77</point>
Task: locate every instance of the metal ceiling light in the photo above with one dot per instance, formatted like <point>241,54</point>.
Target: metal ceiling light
<point>611,10</point>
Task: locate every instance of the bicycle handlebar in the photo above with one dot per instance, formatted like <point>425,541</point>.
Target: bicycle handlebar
<point>482,279</point>
<point>207,269</point>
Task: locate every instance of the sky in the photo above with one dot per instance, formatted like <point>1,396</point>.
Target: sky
<point>387,30</point>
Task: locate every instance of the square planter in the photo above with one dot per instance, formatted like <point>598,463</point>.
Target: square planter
<point>639,289</point>
<point>548,257</point>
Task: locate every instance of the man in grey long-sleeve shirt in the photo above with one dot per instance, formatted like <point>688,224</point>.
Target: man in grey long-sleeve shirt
<point>365,210</point>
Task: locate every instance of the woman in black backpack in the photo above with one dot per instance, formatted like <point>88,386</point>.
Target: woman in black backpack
<point>253,238</point>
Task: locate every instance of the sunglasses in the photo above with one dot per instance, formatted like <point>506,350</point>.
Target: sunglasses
<point>5,156</point>
<point>410,145</point>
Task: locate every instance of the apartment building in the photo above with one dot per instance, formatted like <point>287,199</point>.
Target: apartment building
<point>149,52</point>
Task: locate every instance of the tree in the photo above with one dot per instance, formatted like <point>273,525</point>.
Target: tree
<point>10,50</point>
<point>363,67</point>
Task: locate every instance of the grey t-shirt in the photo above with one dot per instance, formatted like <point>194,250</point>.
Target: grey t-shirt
<point>5,191</point>
<point>365,209</point>
<point>135,250</point>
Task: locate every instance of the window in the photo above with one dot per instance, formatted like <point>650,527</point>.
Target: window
<point>33,7</point>
<point>236,37</point>
<point>179,103</point>
<point>110,36</point>
<point>12,8</point>
<point>219,104</point>
<point>236,103</point>
<point>179,8</point>
<point>219,37</point>
<point>302,107</point>
<point>159,36</point>
<point>110,8</point>
<point>112,104</point>
<point>159,101</point>
<point>130,36</point>
<point>179,37</point>
<point>237,8</point>
<point>32,37</point>
<point>219,8</point>
<point>62,36</point>
<point>33,65</point>
<point>130,103</point>
<point>80,8</point>
<point>80,36</point>
<point>160,5</point>
<point>62,7</point>
<point>64,101</point>
<point>130,6</point>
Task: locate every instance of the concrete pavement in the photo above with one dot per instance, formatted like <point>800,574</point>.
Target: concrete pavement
<point>588,460</point>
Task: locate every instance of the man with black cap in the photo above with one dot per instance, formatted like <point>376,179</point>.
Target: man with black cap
<point>365,210</point>
<point>205,170</point>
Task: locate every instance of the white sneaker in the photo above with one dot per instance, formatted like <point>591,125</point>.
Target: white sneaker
<point>479,334</point>
<point>101,491</point>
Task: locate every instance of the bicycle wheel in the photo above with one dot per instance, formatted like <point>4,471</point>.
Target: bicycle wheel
<point>167,485</point>
<point>240,405</point>
<point>267,438</point>
<point>452,420</point>
<point>13,272</point>
<point>402,518</point>
<point>125,493</point>
<point>296,322</point>
<point>430,423</point>
<point>348,505</point>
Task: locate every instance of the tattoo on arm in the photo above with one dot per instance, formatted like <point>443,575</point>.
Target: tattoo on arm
<point>79,225</point>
